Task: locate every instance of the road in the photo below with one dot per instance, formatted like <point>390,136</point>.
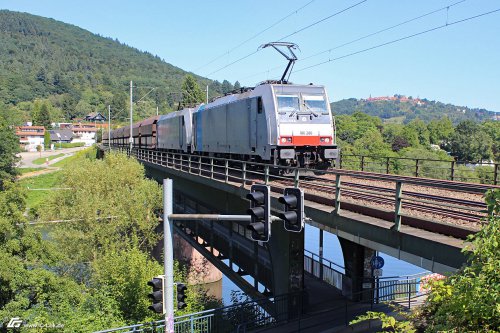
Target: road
<point>27,158</point>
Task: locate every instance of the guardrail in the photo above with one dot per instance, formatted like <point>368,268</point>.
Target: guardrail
<point>465,171</point>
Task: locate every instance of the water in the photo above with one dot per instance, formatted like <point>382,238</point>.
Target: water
<point>332,252</point>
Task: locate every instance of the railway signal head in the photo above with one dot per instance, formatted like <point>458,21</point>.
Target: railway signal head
<point>157,295</point>
<point>181,296</point>
<point>293,212</point>
<point>260,212</point>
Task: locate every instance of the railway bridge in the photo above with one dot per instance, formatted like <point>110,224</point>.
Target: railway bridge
<point>419,220</point>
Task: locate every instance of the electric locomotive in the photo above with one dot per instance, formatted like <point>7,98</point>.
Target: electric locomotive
<point>275,123</point>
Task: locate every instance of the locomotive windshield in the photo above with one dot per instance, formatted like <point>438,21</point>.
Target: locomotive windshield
<point>303,109</point>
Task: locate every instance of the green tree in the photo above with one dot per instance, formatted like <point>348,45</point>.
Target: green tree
<point>237,85</point>
<point>41,116</point>
<point>115,205</point>
<point>470,143</point>
<point>46,139</point>
<point>440,130</point>
<point>419,133</point>
<point>9,147</point>
<point>191,91</point>
<point>468,301</point>
<point>492,128</point>
<point>226,86</point>
<point>30,285</point>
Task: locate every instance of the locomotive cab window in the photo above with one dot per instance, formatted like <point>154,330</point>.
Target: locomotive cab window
<point>316,105</point>
<point>288,106</point>
<point>302,109</point>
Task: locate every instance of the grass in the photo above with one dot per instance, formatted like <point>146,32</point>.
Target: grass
<point>22,171</point>
<point>41,160</point>
<point>36,198</point>
<point>45,181</point>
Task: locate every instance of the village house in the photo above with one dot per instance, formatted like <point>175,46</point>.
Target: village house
<point>30,137</point>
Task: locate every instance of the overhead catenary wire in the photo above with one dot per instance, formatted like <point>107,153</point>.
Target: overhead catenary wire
<point>386,29</point>
<point>254,36</point>
<point>366,36</point>
<point>398,39</point>
<point>323,19</point>
<point>291,34</point>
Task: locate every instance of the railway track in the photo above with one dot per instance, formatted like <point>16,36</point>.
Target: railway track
<point>445,208</point>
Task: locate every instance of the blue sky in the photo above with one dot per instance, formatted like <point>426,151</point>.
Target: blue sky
<point>458,64</point>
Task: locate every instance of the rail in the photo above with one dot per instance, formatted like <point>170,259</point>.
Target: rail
<point>420,202</point>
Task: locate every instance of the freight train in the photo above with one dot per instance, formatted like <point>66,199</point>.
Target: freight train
<point>276,123</point>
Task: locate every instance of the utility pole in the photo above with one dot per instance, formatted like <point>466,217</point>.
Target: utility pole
<point>131,140</point>
<point>168,239</point>
<point>207,93</point>
<point>109,126</point>
<point>157,110</point>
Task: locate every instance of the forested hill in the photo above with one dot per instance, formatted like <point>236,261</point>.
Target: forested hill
<point>402,109</point>
<point>80,71</point>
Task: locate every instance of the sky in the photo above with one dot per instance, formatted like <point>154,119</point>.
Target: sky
<point>458,63</point>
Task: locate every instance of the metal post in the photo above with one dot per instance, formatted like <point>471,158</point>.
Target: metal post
<point>452,170</point>
<point>211,168</point>
<point>337,194</point>
<point>168,255</point>
<point>244,173</point>
<point>321,254</point>
<point>495,175</point>
<point>266,180</point>
<point>416,167</point>
<point>398,204</point>
<point>226,171</point>
<point>131,139</point>
<point>256,266</point>
<point>387,166</point>
<point>109,127</point>
<point>296,179</point>
<point>362,163</point>
<point>409,293</point>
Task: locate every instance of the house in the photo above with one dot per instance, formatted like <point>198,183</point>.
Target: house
<point>61,136</point>
<point>30,137</point>
<point>84,134</point>
<point>95,116</point>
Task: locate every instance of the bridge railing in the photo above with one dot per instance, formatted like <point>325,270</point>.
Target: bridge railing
<point>361,192</point>
<point>386,288</point>
<point>249,314</point>
<point>324,269</point>
<point>464,171</point>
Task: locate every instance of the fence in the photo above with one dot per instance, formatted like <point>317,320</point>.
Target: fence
<point>386,289</point>
<point>266,312</point>
<point>476,172</point>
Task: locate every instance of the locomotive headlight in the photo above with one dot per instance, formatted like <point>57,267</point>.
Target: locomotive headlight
<point>326,140</point>
<point>286,139</point>
<point>283,140</point>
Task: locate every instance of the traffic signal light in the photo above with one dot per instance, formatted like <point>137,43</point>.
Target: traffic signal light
<point>181,296</point>
<point>157,295</point>
<point>293,212</point>
<point>260,212</point>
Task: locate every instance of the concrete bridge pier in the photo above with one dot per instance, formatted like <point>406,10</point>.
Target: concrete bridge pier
<point>287,256</point>
<point>358,271</point>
